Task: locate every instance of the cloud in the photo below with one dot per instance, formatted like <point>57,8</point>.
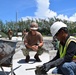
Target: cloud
<point>73,18</point>
<point>43,9</point>
<point>62,17</point>
<point>43,12</point>
<point>65,17</point>
<point>29,17</point>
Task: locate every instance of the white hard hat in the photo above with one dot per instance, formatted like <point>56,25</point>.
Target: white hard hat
<point>56,27</point>
<point>34,26</point>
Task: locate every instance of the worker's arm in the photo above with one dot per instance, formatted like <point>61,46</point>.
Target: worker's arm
<point>26,44</point>
<point>40,40</point>
<point>34,47</point>
<point>71,51</point>
<point>40,44</point>
<point>47,66</point>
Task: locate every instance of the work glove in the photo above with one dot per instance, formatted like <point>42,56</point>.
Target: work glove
<point>51,64</point>
<point>47,66</point>
<point>40,70</point>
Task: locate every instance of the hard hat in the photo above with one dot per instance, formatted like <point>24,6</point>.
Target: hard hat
<point>34,26</point>
<point>56,27</point>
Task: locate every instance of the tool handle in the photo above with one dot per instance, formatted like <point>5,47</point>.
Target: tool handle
<point>30,68</point>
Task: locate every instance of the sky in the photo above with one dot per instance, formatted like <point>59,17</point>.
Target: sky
<point>23,9</point>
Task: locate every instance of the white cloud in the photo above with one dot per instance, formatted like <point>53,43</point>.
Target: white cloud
<point>43,11</point>
<point>73,18</point>
<point>65,17</point>
<point>29,17</point>
<point>62,17</point>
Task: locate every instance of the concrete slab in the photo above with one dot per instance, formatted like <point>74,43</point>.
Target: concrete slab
<point>19,65</point>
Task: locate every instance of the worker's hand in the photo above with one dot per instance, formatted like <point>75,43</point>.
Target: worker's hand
<point>35,47</point>
<point>40,70</point>
<point>47,66</point>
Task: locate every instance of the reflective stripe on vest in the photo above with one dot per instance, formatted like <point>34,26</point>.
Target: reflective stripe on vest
<point>63,50</point>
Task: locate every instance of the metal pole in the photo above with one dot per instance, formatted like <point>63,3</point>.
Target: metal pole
<point>30,68</point>
<point>16,23</point>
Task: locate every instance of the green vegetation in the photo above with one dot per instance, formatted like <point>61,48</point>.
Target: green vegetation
<point>3,34</point>
<point>44,26</point>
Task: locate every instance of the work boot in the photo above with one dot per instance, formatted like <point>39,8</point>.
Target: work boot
<point>27,59</point>
<point>37,58</point>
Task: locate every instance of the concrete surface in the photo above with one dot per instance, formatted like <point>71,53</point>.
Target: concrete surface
<point>19,65</point>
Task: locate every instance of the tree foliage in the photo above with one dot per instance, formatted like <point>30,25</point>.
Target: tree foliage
<point>44,25</point>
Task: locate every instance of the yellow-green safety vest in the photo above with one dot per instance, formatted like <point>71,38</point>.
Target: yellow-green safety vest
<point>63,51</point>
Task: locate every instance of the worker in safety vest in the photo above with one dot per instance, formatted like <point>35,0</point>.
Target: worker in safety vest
<point>65,59</point>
